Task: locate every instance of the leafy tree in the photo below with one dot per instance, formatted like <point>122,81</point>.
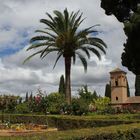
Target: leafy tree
<point>128,12</point>
<point>62,85</point>
<point>108,91</point>
<point>131,54</point>
<point>22,108</point>
<point>55,102</point>
<point>102,103</point>
<point>20,100</point>
<point>95,96</point>
<point>62,35</point>
<point>122,9</point>
<point>87,96</point>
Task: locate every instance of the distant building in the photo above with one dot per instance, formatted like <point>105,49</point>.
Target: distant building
<point>119,90</point>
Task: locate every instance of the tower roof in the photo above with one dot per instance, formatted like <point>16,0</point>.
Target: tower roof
<point>117,70</point>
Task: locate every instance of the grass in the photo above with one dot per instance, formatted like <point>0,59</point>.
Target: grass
<point>74,134</point>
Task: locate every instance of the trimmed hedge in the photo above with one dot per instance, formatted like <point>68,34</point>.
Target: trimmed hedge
<point>119,135</point>
<point>64,123</point>
<point>67,122</point>
<point>20,118</point>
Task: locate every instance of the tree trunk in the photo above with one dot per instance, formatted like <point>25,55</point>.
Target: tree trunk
<point>137,85</point>
<point>68,79</point>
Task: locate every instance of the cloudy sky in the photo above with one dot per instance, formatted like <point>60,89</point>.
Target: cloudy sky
<point>19,19</point>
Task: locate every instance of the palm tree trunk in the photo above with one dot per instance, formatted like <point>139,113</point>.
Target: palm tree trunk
<point>137,85</point>
<point>68,79</point>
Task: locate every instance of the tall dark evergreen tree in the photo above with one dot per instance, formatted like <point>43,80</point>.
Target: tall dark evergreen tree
<point>62,85</point>
<point>108,90</point>
<point>128,12</point>
<point>131,54</point>
<point>27,97</point>
<point>31,96</point>
<point>122,9</point>
<point>95,95</point>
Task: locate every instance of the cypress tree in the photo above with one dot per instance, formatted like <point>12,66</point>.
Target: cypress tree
<point>31,96</point>
<point>108,91</point>
<point>26,98</point>
<point>61,89</point>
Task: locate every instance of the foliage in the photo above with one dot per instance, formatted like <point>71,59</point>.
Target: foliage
<point>61,89</point>
<point>8,103</point>
<point>22,108</point>
<point>86,95</point>
<point>108,91</point>
<point>121,9</point>
<point>26,98</point>
<point>130,56</point>
<point>62,35</point>
<point>102,104</point>
<point>55,103</point>
<point>80,105</point>
<point>128,12</point>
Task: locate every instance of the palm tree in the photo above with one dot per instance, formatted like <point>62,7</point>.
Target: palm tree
<point>62,35</point>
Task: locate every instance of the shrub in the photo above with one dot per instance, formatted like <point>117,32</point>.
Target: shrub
<point>55,103</point>
<point>22,108</point>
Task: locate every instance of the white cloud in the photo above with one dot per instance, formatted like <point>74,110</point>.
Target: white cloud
<point>19,19</point>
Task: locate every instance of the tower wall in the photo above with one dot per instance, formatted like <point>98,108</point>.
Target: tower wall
<point>118,95</point>
<point>118,87</point>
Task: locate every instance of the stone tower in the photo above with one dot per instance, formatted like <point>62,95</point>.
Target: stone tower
<point>118,86</point>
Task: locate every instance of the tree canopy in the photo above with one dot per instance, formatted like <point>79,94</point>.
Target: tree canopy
<point>122,9</point>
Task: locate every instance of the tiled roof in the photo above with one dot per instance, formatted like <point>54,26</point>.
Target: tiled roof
<point>117,70</point>
<point>135,99</point>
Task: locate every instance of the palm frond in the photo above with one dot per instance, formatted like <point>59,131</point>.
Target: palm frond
<point>50,24</point>
<point>53,36</point>
<point>46,50</point>
<point>72,21</point>
<point>50,17</point>
<point>94,51</point>
<point>40,38</point>
<point>28,58</point>
<point>66,14</point>
<point>83,60</point>
<point>86,31</point>
<point>33,46</point>
<point>85,50</point>
<point>58,57</point>
<point>95,39</point>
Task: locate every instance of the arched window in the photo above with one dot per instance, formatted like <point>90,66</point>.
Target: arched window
<point>116,82</point>
<point>116,98</point>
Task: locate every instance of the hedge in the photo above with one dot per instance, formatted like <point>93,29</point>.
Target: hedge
<point>20,118</point>
<point>67,122</point>
<point>64,123</point>
<point>118,132</point>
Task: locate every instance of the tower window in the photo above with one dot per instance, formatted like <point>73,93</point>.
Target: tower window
<point>116,98</point>
<point>116,83</point>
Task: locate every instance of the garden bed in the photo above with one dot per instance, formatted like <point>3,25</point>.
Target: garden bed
<point>9,132</point>
<point>23,129</point>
